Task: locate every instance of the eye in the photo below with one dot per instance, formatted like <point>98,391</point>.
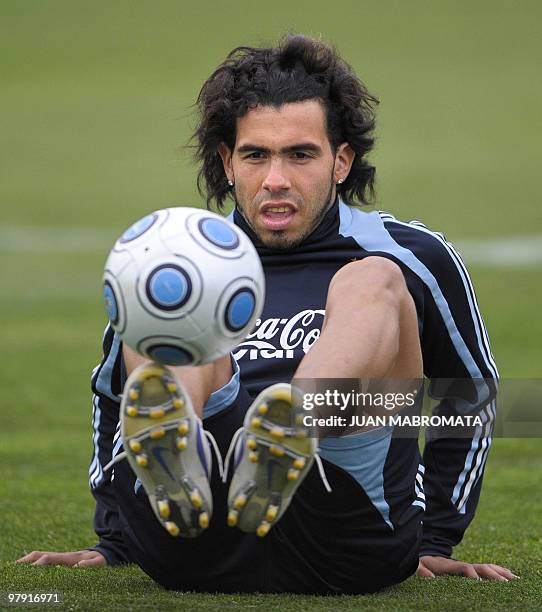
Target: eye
<point>255,155</point>
<point>300,155</point>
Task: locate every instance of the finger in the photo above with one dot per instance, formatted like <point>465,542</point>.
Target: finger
<point>55,559</point>
<point>43,560</point>
<point>441,566</point>
<point>503,571</point>
<point>93,562</point>
<point>485,571</point>
<point>463,569</point>
<point>424,572</point>
<point>30,557</point>
<point>469,572</point>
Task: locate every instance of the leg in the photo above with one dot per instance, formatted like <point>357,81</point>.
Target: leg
<point>199,381</point>
<point>370,332</point>
<point>352,540</point>
<point>370,329</point>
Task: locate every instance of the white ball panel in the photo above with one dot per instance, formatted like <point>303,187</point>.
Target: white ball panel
<point>117,261</point>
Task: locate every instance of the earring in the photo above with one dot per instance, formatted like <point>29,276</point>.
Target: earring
<point>340,181</point>
<point>230,183</point>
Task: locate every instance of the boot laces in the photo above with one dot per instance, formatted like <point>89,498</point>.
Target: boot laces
<point>210,438</point>
<point>231,452</point>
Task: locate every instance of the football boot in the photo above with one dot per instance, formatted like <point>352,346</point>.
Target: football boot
<point>167,449</point>
<point>272,454</point>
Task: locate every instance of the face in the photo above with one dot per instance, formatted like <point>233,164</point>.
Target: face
<point>284,170</point>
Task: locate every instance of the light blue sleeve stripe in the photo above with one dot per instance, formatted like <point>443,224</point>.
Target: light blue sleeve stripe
<point>95,470</point>
<point>481,333</point>
<point>474,475</point>
<point>116,448</point>
<point>103,383</point>
<point>225,396</point>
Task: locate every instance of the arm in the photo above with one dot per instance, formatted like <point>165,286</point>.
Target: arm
<point>463,374</point>
<point>107,383</point>
<point>106,386</point>
<point>106,519</point>
<point>457,359</point>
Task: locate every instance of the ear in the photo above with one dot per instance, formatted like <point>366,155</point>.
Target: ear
<point>344,158</point>
<point>225,153</point>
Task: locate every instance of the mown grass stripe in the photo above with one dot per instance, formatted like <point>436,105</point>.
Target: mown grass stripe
<point>517,251</point>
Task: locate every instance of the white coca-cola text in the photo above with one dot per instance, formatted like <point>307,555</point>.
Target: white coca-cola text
<point>299,332</point>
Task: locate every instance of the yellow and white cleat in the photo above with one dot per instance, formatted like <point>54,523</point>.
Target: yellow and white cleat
<point>272,456</point>
<point>165,445</point>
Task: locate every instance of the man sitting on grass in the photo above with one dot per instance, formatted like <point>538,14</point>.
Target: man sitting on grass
<point>285,133</point>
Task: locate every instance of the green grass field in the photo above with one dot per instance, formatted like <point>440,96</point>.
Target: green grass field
<point>95,103</point>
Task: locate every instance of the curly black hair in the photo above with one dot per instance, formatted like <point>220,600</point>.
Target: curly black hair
<point>299,68</point>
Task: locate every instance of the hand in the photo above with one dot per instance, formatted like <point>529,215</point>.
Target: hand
<point>79,558</point>
<point>430,567</point>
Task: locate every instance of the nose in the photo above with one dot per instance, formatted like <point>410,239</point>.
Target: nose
<point>276,179</point>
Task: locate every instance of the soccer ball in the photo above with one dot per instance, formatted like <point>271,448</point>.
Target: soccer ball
<point>183,286</point>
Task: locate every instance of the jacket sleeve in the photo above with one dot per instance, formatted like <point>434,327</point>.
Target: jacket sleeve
<point>463,379</point>
<point>106,388</point>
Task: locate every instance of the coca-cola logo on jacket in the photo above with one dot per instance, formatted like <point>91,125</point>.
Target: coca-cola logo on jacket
<point>279,338</point>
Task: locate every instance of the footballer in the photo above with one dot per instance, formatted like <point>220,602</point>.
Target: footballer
<point>205,476</point>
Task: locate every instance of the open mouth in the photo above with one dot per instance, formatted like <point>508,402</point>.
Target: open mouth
<point>277,216</point>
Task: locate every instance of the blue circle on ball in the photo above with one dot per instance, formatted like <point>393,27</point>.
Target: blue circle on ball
<point>240,309</point>
<point>170,355</point>
<point>168,287</point>
<point>219,233</point>
<point>139,228</point>
<point>110,303</point>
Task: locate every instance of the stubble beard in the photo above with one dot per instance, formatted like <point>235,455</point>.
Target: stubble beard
<point>280,239</point>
